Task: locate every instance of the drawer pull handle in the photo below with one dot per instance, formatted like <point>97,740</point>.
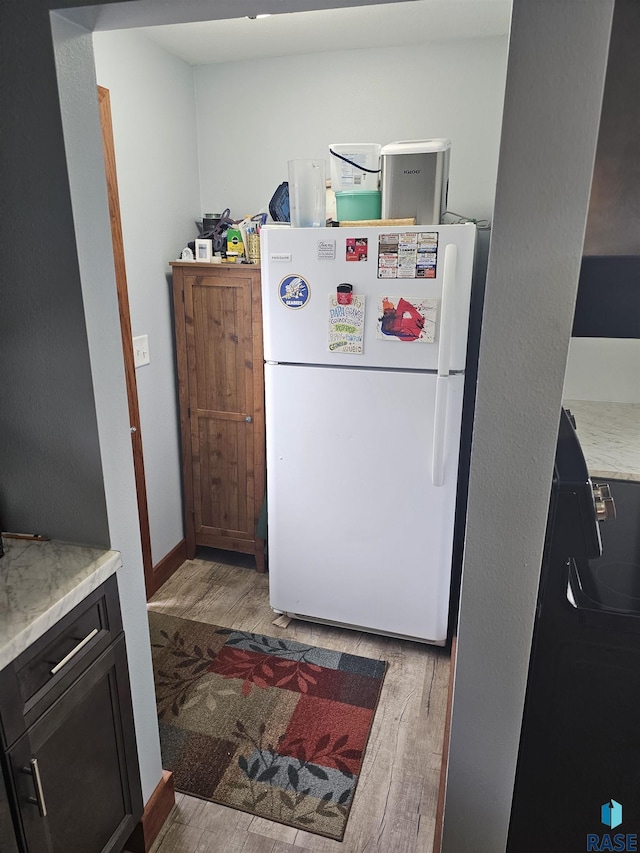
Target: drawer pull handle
<point>74,651</point>
<point>38,800</point>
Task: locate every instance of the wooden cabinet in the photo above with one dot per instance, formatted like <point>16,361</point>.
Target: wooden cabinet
<point>218,332</point>
<point>69,752</point>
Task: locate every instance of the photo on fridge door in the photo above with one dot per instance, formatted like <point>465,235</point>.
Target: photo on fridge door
<point>407,319</point>
<point>357,248</point>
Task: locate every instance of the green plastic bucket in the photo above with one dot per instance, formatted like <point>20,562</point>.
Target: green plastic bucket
<point>364,204</point>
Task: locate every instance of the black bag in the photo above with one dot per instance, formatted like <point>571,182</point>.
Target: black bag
<point>279,204</point>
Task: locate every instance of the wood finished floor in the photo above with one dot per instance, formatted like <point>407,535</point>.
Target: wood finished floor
<point>394,806</point>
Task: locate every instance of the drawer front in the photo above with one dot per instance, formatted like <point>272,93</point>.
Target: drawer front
<point>75,769</point>
<point>41,673</point>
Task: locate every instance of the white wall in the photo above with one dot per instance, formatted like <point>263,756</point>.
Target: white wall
<point>605,369</point>
<point>154,129</point>
<point>254,116</point>
<point>83,144</point>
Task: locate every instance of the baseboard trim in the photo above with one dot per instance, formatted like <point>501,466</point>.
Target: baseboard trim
<point>437,839</point>
<point>170,563</point>
<point>155,813</point>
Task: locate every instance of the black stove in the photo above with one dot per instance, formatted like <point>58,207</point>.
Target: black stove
<point>612,581</point>
<point>580,737</point>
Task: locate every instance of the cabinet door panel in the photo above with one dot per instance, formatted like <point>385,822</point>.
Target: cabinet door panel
<point>219,344</point>
<point>220,368</point>
<point>8,842</point>
<point>218,328</point>
<point>224,488</point>
<point>84,757</point>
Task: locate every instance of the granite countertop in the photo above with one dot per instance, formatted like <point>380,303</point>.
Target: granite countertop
<point>610,437</point>
<point>40,582</point>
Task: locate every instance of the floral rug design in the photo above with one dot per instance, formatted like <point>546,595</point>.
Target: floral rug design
<point>269,726</point>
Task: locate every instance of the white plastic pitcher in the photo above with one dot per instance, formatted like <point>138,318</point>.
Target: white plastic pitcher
<point>307,193</point>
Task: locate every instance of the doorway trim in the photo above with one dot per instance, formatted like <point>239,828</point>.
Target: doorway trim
<point>104,105</point>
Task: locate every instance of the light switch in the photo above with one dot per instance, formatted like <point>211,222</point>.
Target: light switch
<point>141,350</point>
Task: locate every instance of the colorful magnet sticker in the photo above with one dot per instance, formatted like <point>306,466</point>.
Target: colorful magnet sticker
<point>326,250</point>
<point>346,325</point>
<point>408,255</point>
<point>407,318</point>
<point>357,248</point>
<point>294,291</point>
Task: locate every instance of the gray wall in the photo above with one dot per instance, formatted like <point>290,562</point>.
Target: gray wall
<point>555,76</point>
<point>51,478</point>
<point>83,143</point>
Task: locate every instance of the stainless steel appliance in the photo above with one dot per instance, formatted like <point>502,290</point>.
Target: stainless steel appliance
<point>415,180</point>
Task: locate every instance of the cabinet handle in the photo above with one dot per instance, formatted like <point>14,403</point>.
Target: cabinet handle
<point>248,419</point>
<point>34,771</point>
<point>74,651</point>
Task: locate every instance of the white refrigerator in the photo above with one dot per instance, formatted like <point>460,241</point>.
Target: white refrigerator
<point>363,403</point>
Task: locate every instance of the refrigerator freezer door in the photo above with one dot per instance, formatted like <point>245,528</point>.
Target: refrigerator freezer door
<point>314,260</point>
<point>358,533</point>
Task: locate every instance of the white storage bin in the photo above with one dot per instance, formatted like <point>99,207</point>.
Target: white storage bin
<point>352,176</point>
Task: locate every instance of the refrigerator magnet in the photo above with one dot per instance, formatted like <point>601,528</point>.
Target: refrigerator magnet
<point>326,250</point>
<point>344,294</point>
<point>407,318</point>
<point>408,255</point>
<point>346,324</point>
<point>357,248</point>
<point>294,291</point>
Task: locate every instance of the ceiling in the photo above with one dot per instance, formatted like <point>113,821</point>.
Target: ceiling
<point>350,28</point>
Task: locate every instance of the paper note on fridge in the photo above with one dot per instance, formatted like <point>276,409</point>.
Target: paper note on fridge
<point>346,325</point>
<point>408,319</point>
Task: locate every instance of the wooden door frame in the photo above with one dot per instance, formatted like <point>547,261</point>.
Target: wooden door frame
<point>104,104</point>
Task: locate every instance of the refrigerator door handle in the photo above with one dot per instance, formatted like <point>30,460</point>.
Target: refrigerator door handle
<point>447,308</point>
<point>439,430</point>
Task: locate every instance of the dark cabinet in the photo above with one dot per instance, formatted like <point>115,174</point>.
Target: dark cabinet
<point>70,758</point>
<point>8,843</point>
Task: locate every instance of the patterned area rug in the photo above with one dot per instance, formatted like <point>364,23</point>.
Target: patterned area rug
<point>269,726</point>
